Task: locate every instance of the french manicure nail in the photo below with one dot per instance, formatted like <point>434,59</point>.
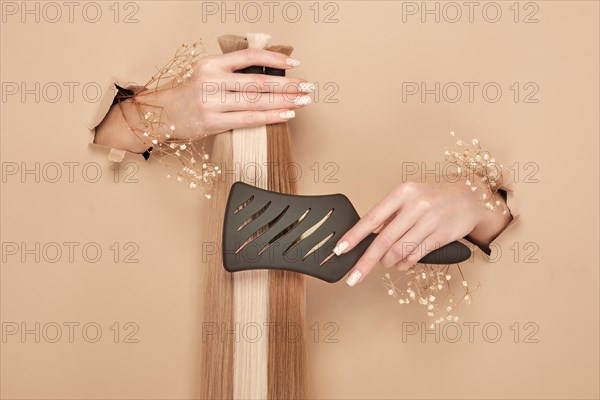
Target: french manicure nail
<point>307,87</point>
<point>292,62</point>
<point>354,278</point>
<point>302,100</point>
<point>287,114</point>
<point>340,247</point>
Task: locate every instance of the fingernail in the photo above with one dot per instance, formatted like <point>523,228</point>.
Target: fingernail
<point>287,114</point>
<point>340,247</point>
<point>307,87</point>
<point>292,62</point>
<point>354,278</point>
<point>302,100</point>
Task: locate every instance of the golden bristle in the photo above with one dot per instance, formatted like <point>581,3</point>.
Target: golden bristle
<point>231,43</point>
<point>287,50</point>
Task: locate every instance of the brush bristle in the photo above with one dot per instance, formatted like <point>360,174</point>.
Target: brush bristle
<point>258,40</point>
<point>287,50</point>
<point>231,43</point>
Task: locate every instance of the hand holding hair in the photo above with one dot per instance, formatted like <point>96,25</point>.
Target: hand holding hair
<point>414,219</point>
<point>216,100</point>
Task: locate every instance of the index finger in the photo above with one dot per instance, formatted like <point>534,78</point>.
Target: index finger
<point>366,225</point>
<point>245,58</point>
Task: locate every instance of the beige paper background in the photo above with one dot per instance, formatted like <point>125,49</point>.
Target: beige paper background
<point>365,136</point>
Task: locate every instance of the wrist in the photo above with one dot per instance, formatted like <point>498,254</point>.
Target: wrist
<point>115,132</point>
<point>491,224</point>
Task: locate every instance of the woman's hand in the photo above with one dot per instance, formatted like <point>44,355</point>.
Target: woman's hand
<point>216,100</point>
<point>418,217</point>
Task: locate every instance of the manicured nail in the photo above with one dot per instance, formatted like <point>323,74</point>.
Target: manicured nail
<point>302,100</point>
<point>307,87</point>
<point>354,278</point>
<point>287,114</point>
<point>340,247</point>
<point>292,62</point>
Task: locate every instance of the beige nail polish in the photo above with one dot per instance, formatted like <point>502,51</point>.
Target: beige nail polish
<point>354,278</point>
<point>340,247</point>
<point>292,62</point>
<point>287,114</point>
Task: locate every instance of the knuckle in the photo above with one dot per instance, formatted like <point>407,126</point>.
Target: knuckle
<point>406,188</point>
<point>403,267</point>
<point>396,252</point>
<point>386,263</point>
<point>252,53</point>
<point>423,204</point>
<point>370,219</point>
<point>414,257</point>
<point>384,240</point>
<point>249,118</point>
<point>206,65</point>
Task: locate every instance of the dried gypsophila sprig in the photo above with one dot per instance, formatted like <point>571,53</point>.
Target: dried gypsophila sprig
<point>180,67</point>
<point>429,286</point>
<point>480,170</point>
<point>187,157</point>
